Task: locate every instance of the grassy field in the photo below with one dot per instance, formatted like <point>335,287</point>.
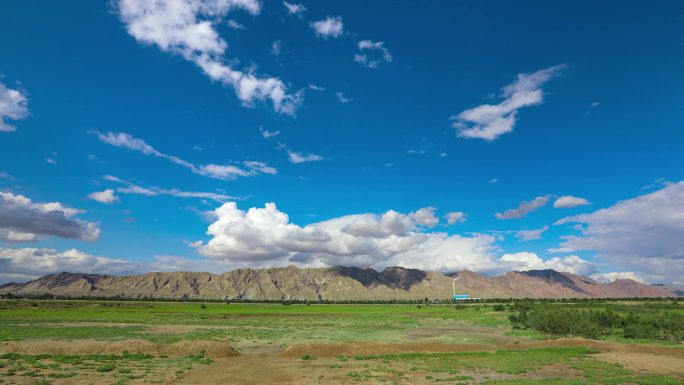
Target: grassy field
<point>98,342</point>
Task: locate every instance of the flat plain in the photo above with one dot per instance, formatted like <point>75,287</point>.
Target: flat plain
<point>125,342</point>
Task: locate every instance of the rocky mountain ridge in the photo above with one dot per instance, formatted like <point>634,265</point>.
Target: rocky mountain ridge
<point>335,283</point>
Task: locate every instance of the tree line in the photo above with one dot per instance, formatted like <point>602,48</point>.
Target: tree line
<point>647,322</point>
<point>284,301</point>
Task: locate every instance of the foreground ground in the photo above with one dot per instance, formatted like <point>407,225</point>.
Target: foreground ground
<point>78,342</point>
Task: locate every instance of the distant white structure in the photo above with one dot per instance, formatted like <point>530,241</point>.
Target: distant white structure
<point>460,297</point>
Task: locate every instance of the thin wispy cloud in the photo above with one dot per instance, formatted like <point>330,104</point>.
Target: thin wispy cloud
<point>187,28</point>
<point>235,25</point>
<point>529,235</point>
<point>277,48</point>
<point>490,121</point>
<point>342,99</point>
<point>268,134</point>
<point>523,208</point>
<point>216,171</point>
<point>294,8</point>
<point>372,54</point>
<point>13,106</point>
<point>151,191</point>
<point>296,157</point>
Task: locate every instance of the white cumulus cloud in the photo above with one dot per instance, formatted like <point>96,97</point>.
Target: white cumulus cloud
<point>642,234</point>
<point>30,263</point>
<point>530,261</point>
<point>569,201</point>
<point>328,27</point>
<point>610,277</point>
<point>13,105</point>
<point>266,237</point>
<point>489,121</point>
<point>187,28</point>
<point>106,196</point>
<point>455,217</point>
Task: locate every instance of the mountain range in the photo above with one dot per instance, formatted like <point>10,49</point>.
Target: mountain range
<point>334,283</point>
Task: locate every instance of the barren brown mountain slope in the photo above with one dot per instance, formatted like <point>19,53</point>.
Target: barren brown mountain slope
<point>336,283</point>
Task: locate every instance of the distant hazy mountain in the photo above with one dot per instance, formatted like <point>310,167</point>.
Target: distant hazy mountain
<point>335,283</point>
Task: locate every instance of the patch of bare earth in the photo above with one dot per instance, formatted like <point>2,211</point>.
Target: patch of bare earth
<point>645,363</point>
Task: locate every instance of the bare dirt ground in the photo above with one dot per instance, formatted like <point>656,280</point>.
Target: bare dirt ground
<point>282,368</point>
<point>287,366</point>
<point>645,363</point>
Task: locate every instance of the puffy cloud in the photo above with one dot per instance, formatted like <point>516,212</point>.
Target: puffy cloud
<point>524,208</point>
<point>265,237</point>
<point>216,171</point>
<point>13,105</point>
<point>296,157</point>
<point>106,196</point>
<point>610,277</point>
<point>294,8</point>
<point>489,121</point>
<point>31,263</point>
<point>130,188</point>
<point>568,201</point>
<point>528,235</point>
<point>328,27</point>
<point>186,28</point>
<point>21,220</point>
<point>642,234</point>
<point>455,217</point>
<point>368,51</point>
<point>24,264</point>
<point>530,261</point>
<point>425,217</point>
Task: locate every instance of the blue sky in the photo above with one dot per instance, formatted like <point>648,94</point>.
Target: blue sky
<point>464,107</point>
